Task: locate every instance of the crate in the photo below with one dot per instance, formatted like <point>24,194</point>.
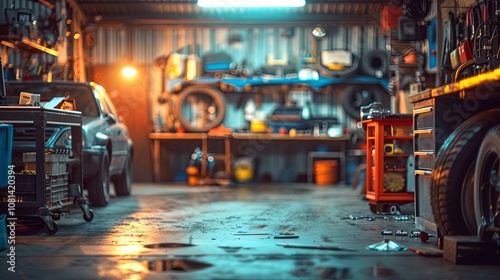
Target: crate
<point>25,188</point>
<point>56,188</point>
<point>54,163</point>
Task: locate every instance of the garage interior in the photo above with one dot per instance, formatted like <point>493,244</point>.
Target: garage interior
<point>328,140</point>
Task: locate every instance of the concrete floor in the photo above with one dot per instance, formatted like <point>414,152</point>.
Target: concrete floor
<point>180,232</point>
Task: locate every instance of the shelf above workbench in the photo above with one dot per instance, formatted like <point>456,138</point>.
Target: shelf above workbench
<point>24,43</point>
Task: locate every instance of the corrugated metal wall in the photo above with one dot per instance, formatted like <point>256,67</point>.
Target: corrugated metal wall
<point>141,46</point>
<point>256,43</point>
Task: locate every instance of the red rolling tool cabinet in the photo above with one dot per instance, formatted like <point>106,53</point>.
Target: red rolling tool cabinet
<point>389,160</point>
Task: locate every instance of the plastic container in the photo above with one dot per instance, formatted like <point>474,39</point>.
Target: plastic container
<point>326,172</point>
<point>5,152</point>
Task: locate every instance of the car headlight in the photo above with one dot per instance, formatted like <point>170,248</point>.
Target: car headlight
<point>64,139</point>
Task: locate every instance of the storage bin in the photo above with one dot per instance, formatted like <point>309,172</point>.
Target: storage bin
<point>54,163</point>
<point>326,172</point>
<point>5,152</point>
<point>25,187</point>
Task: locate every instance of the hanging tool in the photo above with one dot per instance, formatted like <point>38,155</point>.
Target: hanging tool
<point>464,50</point>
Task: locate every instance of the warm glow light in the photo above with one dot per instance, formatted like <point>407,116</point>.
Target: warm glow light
<point>8,44</point>
<point>129,72</point>
<point>250,3</point>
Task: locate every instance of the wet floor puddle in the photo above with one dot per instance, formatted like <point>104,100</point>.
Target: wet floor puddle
<point>183,265</point>
<point>168,245</point>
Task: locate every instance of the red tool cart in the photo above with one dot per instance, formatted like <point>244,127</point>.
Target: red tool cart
<point>389,161</point>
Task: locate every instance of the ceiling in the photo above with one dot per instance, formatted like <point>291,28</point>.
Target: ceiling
<point>187,12</point>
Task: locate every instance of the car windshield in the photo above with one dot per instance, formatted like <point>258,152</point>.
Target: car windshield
<point>82,94</point>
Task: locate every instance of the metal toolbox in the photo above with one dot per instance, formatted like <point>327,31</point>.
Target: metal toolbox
<point>430,131</point>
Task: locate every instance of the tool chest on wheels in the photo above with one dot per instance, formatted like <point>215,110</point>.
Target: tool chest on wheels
<point>44,183</point>
<point>388,158</point>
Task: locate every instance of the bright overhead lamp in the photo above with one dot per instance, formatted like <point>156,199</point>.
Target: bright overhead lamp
<point>250,3</point>
<point>129,72</point>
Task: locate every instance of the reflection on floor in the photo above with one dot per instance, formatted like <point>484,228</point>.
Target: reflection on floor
<point>285,231</point>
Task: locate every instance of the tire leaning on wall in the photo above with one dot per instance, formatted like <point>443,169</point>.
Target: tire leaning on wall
<point>356,96</point>
<point>375,63</point>
<point>218,101</point>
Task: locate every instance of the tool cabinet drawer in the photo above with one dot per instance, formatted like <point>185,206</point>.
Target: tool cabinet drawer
<point>424,140</point>
<point>424,160</point>
<point>424,115</point>
<point>424,219</point>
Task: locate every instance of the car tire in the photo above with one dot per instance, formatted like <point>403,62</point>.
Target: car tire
<point>356,96</point>
<point>486,196</point>
<point>123,181</point>
<point>98,185</point>
<point>207,92</point>
<point>451,175</point>
<point>374,63</point>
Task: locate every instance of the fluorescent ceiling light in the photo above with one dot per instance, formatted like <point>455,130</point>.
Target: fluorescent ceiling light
<point>250,3</point>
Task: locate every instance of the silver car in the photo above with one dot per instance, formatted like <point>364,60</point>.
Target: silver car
<point>107,146</point>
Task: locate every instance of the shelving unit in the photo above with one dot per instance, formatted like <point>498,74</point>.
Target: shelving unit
<point>389,147</point>
<point>29,32</point>
<point>26,44</point>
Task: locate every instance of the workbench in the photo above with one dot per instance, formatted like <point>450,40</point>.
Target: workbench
<point>263,138</point>
<point>157,137</point>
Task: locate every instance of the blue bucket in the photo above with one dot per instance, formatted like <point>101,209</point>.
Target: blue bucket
<point>3,232</point>
<point>5,152</point>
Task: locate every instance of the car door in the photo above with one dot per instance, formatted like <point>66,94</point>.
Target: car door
<point>116,131</point>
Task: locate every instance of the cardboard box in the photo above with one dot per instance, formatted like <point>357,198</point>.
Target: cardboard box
<point>26,98</point>
<point>68,104</point>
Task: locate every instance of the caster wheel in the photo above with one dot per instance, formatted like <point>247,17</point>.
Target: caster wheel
<point>52,231</point>
<point>394,209</point>
<point>90,217</point>
<point>373,209</point>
